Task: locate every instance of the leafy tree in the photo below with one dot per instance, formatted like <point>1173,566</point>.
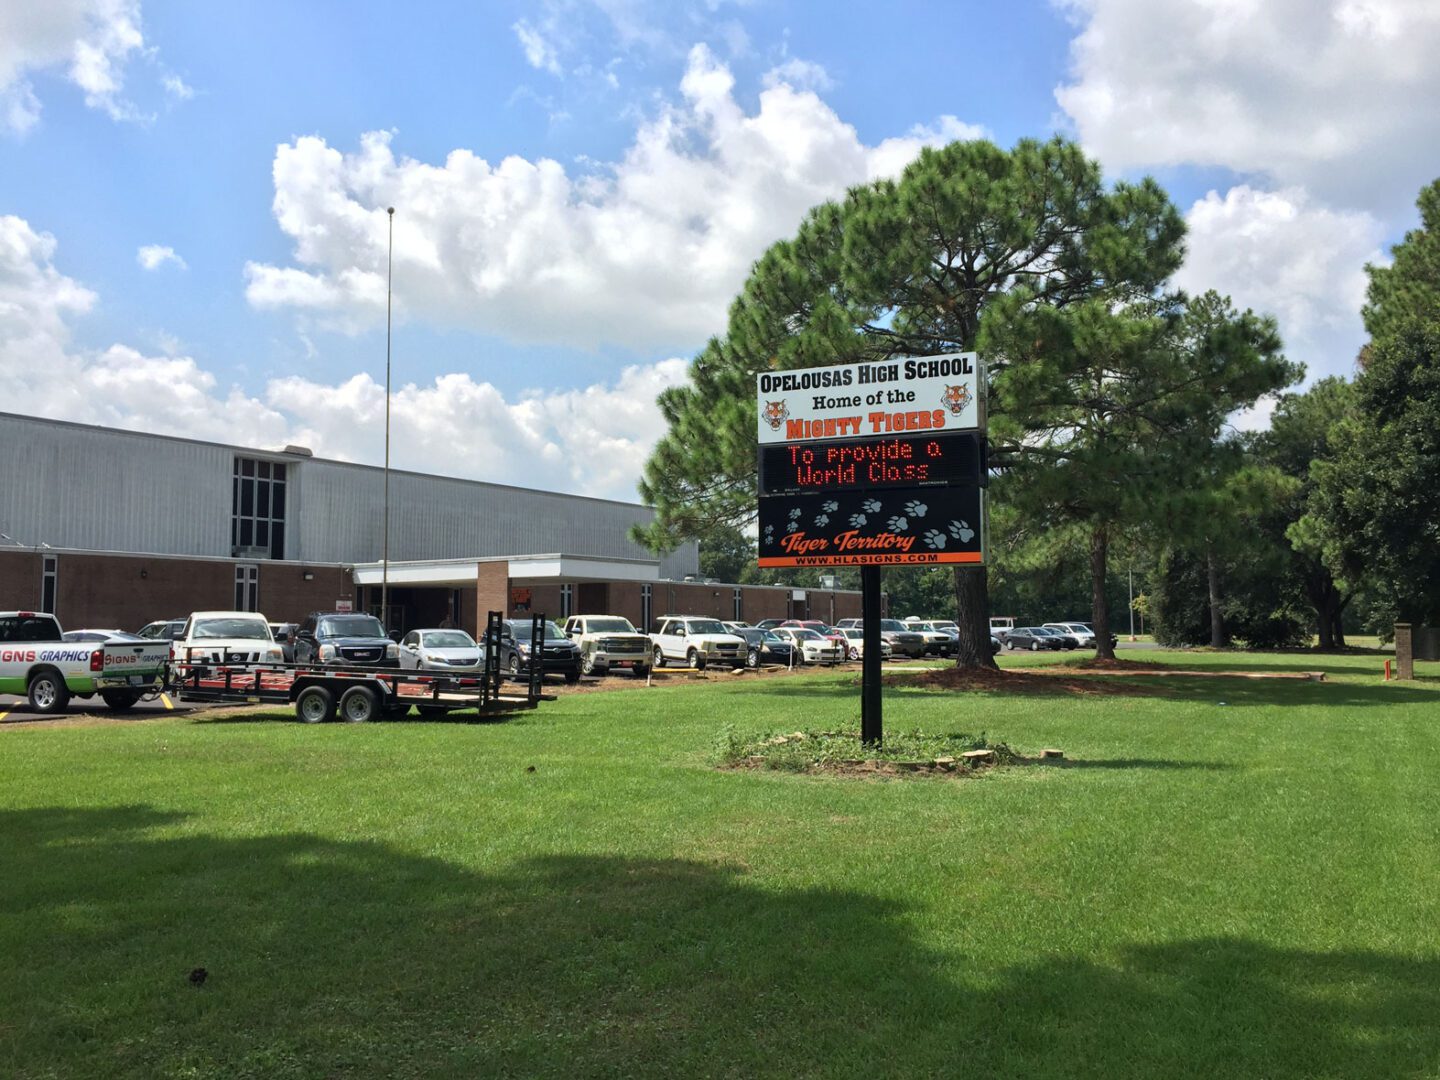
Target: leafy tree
<point>1300,433</point>
<point>725,552</point>
<point>1374,509</point>
<point>907,267</point>
<point>1119,409</point>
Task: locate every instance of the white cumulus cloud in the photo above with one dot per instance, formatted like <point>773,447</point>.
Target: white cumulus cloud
<point>648,251</point>
<point>91,41</point>
<point>1282,253</point>
<point>591,440</point>
<point>154,256</point>
<point>539,52</point>
<point>1338,96</point>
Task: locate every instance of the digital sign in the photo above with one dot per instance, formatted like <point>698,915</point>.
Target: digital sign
<point>856,464</point>
<point>897,527</point>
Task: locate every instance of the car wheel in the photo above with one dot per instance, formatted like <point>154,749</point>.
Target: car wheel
<point>314,705</point>
<point>694,659</point>
<point>587,665</point>
<point>1034,646</point>
<point>752,658</point>
<point>854,652</point>
<point>515,666</point>
<point>659,657</point>
<point>119,700</point>
<point>359,705</point>
<point>47,692</point>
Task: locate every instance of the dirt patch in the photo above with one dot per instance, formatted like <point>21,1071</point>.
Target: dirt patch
<point>1096,663</point>
<point>1013,681</point>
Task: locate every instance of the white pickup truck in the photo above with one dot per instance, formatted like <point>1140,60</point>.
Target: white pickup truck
<point>36,662</point>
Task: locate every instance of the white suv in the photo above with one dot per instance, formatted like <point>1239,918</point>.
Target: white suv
<point>227,637</point>
<point>695,642</point>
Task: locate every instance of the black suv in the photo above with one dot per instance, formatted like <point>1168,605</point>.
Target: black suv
<point>560,655</point>
<point>349,638</point>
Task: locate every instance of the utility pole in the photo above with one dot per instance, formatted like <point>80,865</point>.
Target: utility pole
<point>385,513</point>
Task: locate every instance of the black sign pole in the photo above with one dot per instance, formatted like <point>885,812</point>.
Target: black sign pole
<point>871,726</point>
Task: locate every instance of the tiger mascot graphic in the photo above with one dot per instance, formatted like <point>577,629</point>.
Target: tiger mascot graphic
<point>776,414</point>
<point>956,398</point>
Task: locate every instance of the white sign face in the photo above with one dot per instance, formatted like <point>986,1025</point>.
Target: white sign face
<point>871,400</point>
<point>344,605</point>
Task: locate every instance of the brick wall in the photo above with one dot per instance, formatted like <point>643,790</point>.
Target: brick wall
<point>19,580</point>
<point>492,589</point>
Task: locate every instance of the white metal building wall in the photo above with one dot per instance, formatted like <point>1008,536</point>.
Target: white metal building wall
<point>77,486</point>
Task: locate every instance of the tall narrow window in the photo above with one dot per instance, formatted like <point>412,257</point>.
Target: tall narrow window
<point>257,518</point>
<point>247,587</point>
<point>645,612</point>
<point>567,595</point>
<point>49,582</point>
<point>739,606</point>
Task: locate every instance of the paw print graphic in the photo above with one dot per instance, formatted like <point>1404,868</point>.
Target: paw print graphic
<point>795,513</point>
<point>961,531</point>
<point>821,520</point>
<point>829,506</point>
<point>916,509</point>
<point>794,526</point>
<point>898,523</point>
<point>858,519</point>
<point>935,539</point>
<point>871,506</point>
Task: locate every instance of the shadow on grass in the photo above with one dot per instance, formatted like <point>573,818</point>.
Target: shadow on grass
<point>352,958</point>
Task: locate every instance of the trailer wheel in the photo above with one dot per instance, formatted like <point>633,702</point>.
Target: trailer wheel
<point>47,692</point>
<point>314,705</point>
<point>119,700</point>
<point>359,705</point>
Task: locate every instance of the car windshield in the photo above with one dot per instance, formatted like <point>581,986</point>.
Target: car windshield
<point>609,626</point>
<point>245,629</point>
<point>750,634</point>
<point>894,625</point>
<point>1045,631</point>
<point>521,631</point>
<point>706,626</point>
<point>350,626</point>
<point>449,639</point>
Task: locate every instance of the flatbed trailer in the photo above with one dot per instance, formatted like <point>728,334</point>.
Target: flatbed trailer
<point>358,694</point>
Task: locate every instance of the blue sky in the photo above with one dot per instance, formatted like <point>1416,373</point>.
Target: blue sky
<point>581,184</point>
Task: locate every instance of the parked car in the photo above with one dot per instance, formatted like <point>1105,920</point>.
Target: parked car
<point>855,644</point>
<point>814,648</point>
<point>695,641</point>
<point>284,635</point>
<point>163,630</point>
<point>1033,638</point>
<point>995,645</point>
<point>558,654</point>
<point>903,640</point>
<point>99,635</point>
<point>830,633</point>
<point>449,650</point>
<point>764,647</point>
<point>226,637</point>
<point>609,641</point>
<point>1069,641</point>
<point>937,642</point>
<point>769,624</point>
<point>36,661</point>
<point>1079,631</point>
<point>348,638</point>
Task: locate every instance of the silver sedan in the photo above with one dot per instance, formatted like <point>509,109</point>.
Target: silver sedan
<point>441,650</point>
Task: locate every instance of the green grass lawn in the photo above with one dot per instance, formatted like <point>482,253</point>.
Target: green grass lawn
<point>1227,878</point>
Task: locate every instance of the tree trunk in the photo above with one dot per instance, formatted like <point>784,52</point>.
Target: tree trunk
<point>1217,622</point>
<point>1099,606</point>
<point>972,618</point>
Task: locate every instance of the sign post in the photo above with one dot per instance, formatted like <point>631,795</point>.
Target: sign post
<point>874,464</point>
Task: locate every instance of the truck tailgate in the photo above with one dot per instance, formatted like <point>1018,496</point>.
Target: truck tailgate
<point>134,664</point>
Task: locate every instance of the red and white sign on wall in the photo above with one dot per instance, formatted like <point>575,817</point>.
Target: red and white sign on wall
<point>880,463</point>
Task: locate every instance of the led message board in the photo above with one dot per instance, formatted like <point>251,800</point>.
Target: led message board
<point>866,464</point>
<point>896,527</point>
<point>882,397</point>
